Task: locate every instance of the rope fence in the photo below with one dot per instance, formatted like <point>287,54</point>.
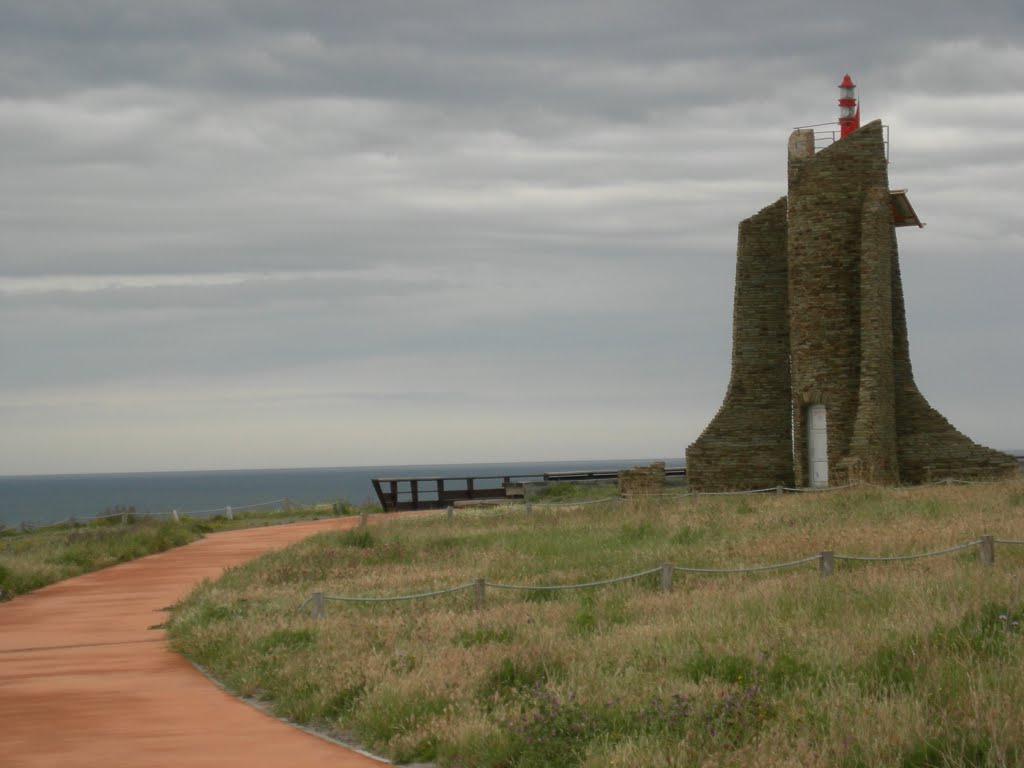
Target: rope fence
<point>584,585</point>
<point>748,569</point>
<point>394,598</point>
<point>486,510</point>
<point>892,558</point>
<point>825,559</point>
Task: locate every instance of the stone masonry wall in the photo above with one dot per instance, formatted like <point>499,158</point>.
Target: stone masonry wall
<point>827,237</point>
<point>747,445</point>
<point>872,455</point>
<point>640,481</point>
<point>929,447</point>
<point>819,318</point>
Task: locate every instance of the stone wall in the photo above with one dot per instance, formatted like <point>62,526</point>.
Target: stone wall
<point>831,223</point>
<point>929,447</point>
<point>819,318</point>
<point>747,444</point>
<point>872,455</point>
<point>641,481</point>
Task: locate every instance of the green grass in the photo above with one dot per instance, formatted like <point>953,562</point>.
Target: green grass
<point>563,491</point>
<point>33,559</point>
<point>891,664</point>
<point>30,559</point>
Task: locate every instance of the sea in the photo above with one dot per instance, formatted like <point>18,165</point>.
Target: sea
<point>42,499</point>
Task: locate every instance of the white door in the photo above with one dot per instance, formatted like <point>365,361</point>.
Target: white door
<point>817,446</point>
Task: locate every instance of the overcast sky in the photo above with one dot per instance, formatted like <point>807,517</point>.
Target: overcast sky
<point>286,234</point>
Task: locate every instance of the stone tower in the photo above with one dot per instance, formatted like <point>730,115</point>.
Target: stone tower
<point>821,390</point>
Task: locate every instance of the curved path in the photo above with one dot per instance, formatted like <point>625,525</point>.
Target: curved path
<point>85,682</point>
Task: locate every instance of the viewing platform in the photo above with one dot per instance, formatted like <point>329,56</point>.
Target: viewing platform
<point>397,494</point>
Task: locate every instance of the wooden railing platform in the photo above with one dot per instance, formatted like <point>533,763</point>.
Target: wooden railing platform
<point>398,494</point>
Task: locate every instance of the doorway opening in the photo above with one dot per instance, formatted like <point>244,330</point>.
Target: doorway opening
<point>817,446</point>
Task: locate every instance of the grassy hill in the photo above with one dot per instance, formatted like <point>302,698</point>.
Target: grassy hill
<point>898,663</point>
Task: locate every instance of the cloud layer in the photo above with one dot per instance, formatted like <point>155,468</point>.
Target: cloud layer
<point>243,234</point>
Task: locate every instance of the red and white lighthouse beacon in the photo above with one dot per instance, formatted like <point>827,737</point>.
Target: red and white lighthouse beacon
<point>849,109</point>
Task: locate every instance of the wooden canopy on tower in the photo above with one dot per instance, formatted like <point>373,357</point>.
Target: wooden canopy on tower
<point>903,213</point>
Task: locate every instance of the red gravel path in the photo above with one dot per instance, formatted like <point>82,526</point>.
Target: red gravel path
<point>84,682</point>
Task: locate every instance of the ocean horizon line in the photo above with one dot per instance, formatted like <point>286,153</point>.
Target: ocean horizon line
<point>42,498</point>
<point>323,468</point>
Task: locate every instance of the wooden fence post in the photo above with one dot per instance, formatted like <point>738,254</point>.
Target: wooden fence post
<point>478,592</point>
<point>231,514</point>
<point>826,564</point>
<point>666,577</point>
<point>318,605</point>
<point>174,516</point>
<point>778,490</point>
<point>451,512</point>
<point>124,515</point>
<point>987,550</point>
<point>364,518</point>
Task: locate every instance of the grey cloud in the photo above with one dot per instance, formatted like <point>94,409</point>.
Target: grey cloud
<point>537,201</point>
<point>246,292</point>
<point>456,51</point>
